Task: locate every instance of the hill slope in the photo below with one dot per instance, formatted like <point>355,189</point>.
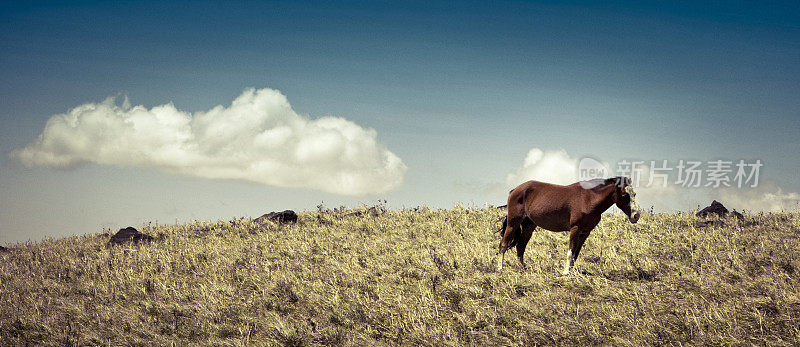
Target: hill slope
<point>410,276</point>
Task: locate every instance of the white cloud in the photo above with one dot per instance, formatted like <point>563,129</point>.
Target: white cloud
<point>258,138</point>
<point>552,166</point>
<point>767,197</point>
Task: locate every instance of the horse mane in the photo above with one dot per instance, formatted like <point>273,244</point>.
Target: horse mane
<point>618,180</point>
<point>597,183</point>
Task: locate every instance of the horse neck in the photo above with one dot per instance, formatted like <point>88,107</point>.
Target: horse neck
<point>604,198</point>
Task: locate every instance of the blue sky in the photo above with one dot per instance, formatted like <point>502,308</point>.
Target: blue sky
<point>460,92</point>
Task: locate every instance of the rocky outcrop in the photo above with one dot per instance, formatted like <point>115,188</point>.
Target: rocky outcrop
<point>287,216</point>
<point>128,235</point>
<point>717,208</point>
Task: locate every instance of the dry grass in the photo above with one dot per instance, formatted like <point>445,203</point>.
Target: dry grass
<point>410,276</point>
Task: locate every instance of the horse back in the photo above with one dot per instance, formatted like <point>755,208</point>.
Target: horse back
<point>550,206</point>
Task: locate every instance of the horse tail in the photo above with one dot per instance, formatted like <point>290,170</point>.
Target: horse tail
<point>513,241</point>
<point>515,237</point>
<point>502,227</point>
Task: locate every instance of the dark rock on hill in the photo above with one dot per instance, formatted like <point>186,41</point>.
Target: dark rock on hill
<point>3,249</point>
<point>716,208</point>
<point>287,216</point>
<point>128,235</point>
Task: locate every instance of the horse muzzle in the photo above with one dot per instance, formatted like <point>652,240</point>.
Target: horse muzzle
<point>634,217</point>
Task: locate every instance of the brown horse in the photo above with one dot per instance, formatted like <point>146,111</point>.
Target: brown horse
<point>576,208</point>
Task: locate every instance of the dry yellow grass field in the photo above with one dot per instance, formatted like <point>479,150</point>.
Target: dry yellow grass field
<point>416,276</point>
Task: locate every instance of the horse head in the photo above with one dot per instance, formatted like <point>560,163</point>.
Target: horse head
<point>625,199</point>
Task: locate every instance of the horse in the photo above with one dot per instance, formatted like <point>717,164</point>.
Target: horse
<point>576,208</point>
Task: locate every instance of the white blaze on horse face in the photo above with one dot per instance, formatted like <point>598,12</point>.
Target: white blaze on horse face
<point>634,205</point>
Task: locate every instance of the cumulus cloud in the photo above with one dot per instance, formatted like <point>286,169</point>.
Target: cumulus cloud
<point>258,138</point>
<point>551,166</point>
<point>767,197</point>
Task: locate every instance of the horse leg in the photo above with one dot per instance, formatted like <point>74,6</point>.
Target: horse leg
<point>574,235</point>
<point>508,240</point>
<point>579,244</point>
<point>527,230</point>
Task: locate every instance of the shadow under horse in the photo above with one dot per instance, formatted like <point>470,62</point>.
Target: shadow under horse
<point>576,208</point>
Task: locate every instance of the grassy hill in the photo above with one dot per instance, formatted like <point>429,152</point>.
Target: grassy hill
<point>409,277</point>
